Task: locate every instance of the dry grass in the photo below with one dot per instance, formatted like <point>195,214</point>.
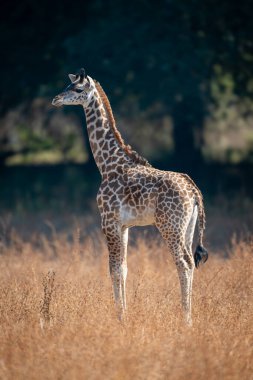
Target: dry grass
<point>58,320</point>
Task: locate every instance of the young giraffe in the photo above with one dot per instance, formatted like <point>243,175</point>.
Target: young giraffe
<point>133,193</point>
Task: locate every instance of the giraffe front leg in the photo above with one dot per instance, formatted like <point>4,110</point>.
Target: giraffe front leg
<point>124,264</point>
<point>117,238</point>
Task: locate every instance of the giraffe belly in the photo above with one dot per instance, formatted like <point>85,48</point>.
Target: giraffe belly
<point>134,218</point>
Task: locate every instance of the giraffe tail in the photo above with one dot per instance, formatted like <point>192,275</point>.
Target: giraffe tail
<point>201,254</point>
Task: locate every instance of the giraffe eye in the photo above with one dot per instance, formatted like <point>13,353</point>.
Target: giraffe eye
<point>78,90</point>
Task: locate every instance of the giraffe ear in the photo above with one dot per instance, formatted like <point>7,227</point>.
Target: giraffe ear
<point>73,77</point>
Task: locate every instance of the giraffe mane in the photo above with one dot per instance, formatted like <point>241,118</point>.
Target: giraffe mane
<point>137,158</point>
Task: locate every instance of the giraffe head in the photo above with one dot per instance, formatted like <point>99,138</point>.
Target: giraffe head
<point>79,92</point>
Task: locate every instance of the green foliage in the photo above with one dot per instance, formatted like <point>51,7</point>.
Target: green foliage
<point>33,140</point>
<point>228,130</point>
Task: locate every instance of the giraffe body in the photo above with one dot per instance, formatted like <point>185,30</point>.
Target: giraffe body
<point>133,193</point>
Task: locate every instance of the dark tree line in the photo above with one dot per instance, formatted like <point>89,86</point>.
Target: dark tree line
<point>165,50</point>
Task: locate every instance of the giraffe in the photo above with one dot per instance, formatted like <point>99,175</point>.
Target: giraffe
<point>133,193</point>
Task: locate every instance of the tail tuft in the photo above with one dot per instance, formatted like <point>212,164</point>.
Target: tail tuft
<point>201,255</point>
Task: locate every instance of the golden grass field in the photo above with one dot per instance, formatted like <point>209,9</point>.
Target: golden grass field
<point>82,338</point>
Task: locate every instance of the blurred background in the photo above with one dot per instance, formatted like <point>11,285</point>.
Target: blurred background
<point>179,75</point>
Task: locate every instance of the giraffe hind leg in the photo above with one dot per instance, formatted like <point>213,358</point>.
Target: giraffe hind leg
<point>178,234</point>
<point>184,262</point>
<point>185,269</point>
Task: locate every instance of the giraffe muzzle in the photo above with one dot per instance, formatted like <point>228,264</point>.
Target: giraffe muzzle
<point>57,101</point>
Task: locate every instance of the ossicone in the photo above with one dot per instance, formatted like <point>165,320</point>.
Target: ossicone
<point>82,74</point>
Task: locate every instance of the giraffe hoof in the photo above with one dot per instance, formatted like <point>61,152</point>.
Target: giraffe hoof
<point>120,315</point>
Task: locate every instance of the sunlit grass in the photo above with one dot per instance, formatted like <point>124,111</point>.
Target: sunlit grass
<point>81,337</point>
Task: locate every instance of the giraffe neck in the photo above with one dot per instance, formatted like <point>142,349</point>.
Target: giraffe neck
<point>107,151</point>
